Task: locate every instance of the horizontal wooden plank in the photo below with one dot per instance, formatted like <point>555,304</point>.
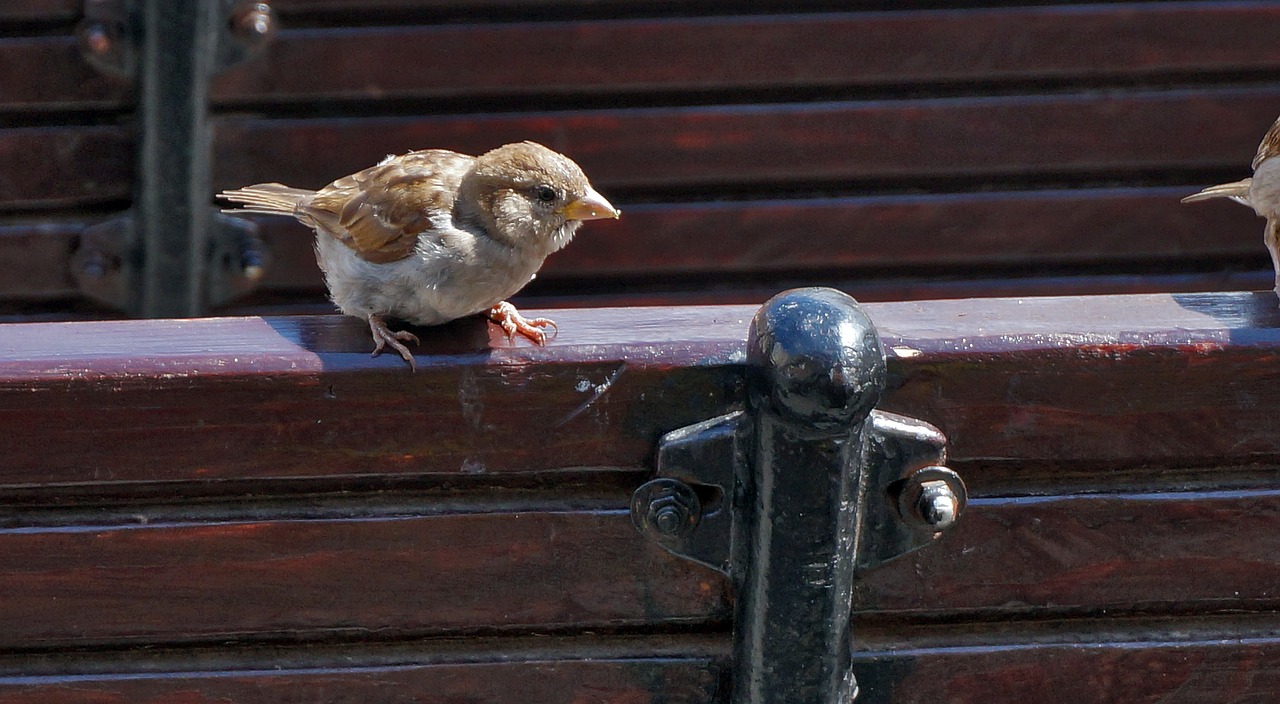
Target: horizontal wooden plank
<point>199,394</point>
<point>50,73</point>
<point>394,576</point>
<point>721,239</point>
<point>821,50</point>
<point>1052,136</point>
<point>35,260</point>
<point>53,166</point>
<point>41,9</point>
<point>817,238</point>
<point>1221,671</point>
<point>1184,552</point>
<point>1062,382</point>
<point>1050,384</point>
<point>689,680</point>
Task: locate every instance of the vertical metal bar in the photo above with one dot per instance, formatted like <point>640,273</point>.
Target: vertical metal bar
<point>816,369</point>
<point>171,209</point>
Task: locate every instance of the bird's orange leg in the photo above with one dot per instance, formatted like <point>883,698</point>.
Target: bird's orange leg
<point>382,336</point>
<point>513,323</point>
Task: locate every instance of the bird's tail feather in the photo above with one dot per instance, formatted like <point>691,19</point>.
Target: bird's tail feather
<point>265,199</point>
<point>1238,190</point>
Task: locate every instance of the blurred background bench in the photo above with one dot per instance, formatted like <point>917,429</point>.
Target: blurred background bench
<point>927,151</point>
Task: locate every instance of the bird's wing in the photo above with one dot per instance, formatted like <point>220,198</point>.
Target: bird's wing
<point>1270,145</point>
<point>380,211</point>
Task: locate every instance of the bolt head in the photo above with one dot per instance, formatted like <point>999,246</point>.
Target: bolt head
<point>97,39</point>
<point>938,505</point>
<point>670,519</point>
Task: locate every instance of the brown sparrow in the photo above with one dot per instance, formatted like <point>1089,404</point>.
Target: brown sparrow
<point>433,235</point>
<point>1261,192</point>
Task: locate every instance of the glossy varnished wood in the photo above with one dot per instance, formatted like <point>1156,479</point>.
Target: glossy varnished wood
<point>1052,382</point>
<point>57,166</point>
<point>694,680</point>
<point>1181,671</point>
<point>798,143</point>
<point>395,576</point>
<point>755,52</point>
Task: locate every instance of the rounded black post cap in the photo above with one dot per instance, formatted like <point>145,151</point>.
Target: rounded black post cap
<point>815,358</point>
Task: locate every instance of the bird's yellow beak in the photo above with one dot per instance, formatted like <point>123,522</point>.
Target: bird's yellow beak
<point>591,206</point>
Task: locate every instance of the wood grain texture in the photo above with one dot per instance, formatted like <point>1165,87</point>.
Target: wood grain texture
<point>40,10</point>
<point>55,166</point>
<point>1043,136</point>
<point>1053,382</point>
<point>307,579</point>
<point>686,680</point>
<point>1178,553</point>
<point>244,398</point>
<point>1196,672</point>
<point>49,73</point>
<point>825,50</point>
<point>957,234</point>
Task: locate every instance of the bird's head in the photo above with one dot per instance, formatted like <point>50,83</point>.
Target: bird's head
<point>526,195</point>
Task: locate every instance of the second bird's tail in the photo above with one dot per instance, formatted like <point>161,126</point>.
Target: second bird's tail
<point>1237,191</point>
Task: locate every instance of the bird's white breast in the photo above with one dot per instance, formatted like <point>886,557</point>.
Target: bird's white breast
<point>1264,190</point>
<point>451,274</point>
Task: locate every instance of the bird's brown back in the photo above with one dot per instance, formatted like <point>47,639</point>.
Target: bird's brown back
<point>380,212</point>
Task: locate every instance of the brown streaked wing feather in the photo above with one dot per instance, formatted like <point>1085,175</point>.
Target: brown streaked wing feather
<point>380,211</point>
<point>1270,145</point>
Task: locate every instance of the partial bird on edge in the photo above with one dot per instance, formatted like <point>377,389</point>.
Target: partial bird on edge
<point>433,235</point>
<point>1261,192</point>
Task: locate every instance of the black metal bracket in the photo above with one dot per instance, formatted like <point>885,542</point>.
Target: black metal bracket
<point>799,494</point>
<point>172,254</point>
<point>107,269</point>
<point>110,33</point>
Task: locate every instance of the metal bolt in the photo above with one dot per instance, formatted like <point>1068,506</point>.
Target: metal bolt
<point>932,497</point>
<point>97,39</point>
<point>938,505</point>
<point>255,21</point>
<point>665,508</point>
<point>670,519</point>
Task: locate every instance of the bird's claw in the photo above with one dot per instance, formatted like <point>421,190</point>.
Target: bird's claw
<point>513,324</point>
<point>383,336</point>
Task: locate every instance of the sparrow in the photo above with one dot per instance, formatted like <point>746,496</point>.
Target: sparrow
<point>433,235</point>
<point>1261,192</point>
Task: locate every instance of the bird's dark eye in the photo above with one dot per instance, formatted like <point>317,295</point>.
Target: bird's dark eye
<point>545,194</point>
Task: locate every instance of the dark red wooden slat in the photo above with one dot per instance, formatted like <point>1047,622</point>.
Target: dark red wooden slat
<point>52,166</point>
<point>1054,382</point>
<point>41,9</point>
<point>1064,381</point>
<point>247,398</point>
<point>1053,135</point>
<point>35,260</point>
<point>40,73</point>
<point>719,241</point>
<point>1025,229</point>
<point>1207,672</point>
<point>694,681</point>
<point>835,49</point>
<point>1180,553</point>
<point>310,578</point>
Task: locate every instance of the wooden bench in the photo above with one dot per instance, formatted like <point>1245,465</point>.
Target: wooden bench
<point>912,153</point>
<point>254,510</point>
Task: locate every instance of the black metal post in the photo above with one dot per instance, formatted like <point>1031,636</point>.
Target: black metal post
<point>817,370</point>
<point>171,211</point>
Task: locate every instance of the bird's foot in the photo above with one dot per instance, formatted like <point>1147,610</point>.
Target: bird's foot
<point>383,336</point>
<point>514,324</point>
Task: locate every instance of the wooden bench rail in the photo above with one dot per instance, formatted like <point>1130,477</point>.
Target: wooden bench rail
<point>248,480</point>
